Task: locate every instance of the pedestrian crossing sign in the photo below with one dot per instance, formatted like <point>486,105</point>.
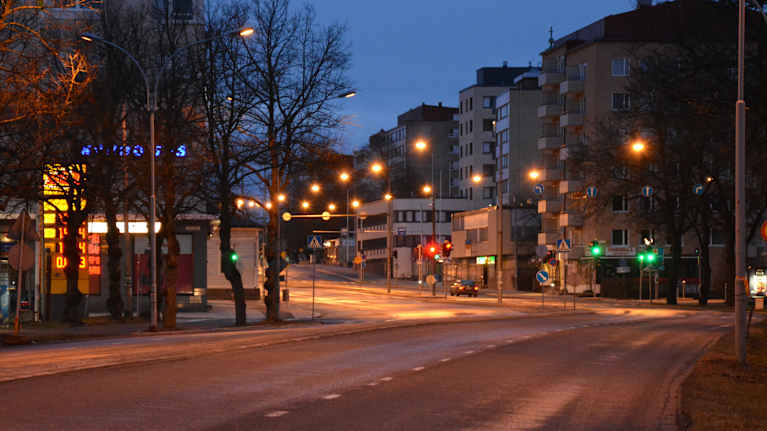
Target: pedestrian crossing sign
<point>313,241</point>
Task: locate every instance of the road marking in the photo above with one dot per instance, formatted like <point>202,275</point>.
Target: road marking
<point>331,396</point>
<point>276,414</point>
<point>386,379</point>
<point>725,326</point>
<point>469,352</point>
<point>510,340</point>
<point>490,346</point>
<point>373,384</point>
<point>444,359</point>
<point>418,369</point>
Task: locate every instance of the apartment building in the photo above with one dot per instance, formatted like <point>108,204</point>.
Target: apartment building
<point>410,166</point>
<point>516,128</point>
<point>584,80</point>
<point>476,139</point>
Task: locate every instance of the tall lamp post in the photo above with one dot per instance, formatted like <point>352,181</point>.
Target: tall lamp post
<point>346,178</point>
<point>151,107</point>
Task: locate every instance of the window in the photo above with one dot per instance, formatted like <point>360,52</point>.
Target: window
<point>471,148</point>
<point>488,102</point>
<point>620,67</point>
<point>647,204</point>
<point>488,192</point>
<point>487,147</point>
<point>471,103</point>
<point>620,237</point>
<point>483,234</point>
<point>179,9</point>
<point>620,204</point>
<point>471,169</point>
<point>487,125</point>
<point>488,171</point>
<point>471,126</point>
<point>620,172</point>
<point>82,4</point>
<point>461,150</point>
<point>471,193</point>
<point>503,112</point>
<point>717,238</point>
<point>505,161</point>
<point>471,236</point>
<point>621,102</point>
<point>461,106</point>
<point>462,129</point>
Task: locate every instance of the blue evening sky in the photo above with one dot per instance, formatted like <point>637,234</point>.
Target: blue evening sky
<point>405,52</point>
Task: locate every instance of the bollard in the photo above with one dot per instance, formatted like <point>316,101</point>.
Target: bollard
<point>285,295</point>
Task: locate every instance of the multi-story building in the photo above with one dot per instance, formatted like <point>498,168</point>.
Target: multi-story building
<point>476,139</point>
<point>517,128</point>
<point>411,166</point>
<point>411,226</point>
<point>584,80</point>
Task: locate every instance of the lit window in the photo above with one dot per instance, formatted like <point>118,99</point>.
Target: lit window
<point>620,67</point>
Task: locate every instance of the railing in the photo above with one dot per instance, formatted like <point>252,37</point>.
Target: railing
<point>550,131</point>
<point>575,73</point>
<point>552,66</point>
<point>549,98</point>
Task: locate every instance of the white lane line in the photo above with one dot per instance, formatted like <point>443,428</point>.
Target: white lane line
<point>386,379</point>
<point>276,414</point>
<point>469,352</point>
<point>418,369</point>
<point>490,346</point>
<point>331,396</point>
<point>725,326</point>
<point>444,359</point>
<point>373,384</point>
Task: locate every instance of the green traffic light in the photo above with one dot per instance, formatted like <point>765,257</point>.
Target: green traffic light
<point>436,257</point>
<point>651,257</point>
<point>596,251</point>
<point>234,257</point>
<point>640,257</point>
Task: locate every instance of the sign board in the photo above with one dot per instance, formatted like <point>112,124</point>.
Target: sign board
<point>313,241</point>
<point>697,189</point>
<point>542,276</point>
<point>592,192</point>
<point>401,232</point>
<point>538,189</point>
<point>29,228</point>
<point>27,257</point>
<point>485,260</point>
<point>563,245</point>
<point>763,231</point>
<point>553,262</point>
<point>647,191</point>
<point>622,269</point>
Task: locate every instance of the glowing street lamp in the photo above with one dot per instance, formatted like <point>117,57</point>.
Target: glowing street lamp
<point>355,204</point>
<point>305,205</point>
<point>477,179</point>
<point>281,197</point>
<point>426,189</point>
<point>315,188</point>
<point>638,146</point>
<point>268,205</point>
<point>344,177</point>
<point>332,207</point>
<point>240,203</point>
<point>388,196</point>
<point>534,174</point>
<point>421,145</point>
<point>376,168</point>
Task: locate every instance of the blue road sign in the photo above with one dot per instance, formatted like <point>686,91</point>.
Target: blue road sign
<point>698,189</point>
<point>592,192</point>
<point>647,191</point>
<point>542,276</point>
<point>563,244</point>
<point>313,241</point>
<point>538,189</point>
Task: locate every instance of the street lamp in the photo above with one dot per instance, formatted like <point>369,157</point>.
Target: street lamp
<point>281,197</point>
<point>476,179</point>
<point>355,204</point>
<point>534,174</point>
<point>305,205</point>
<point>315,188</point>
<point>638,146</point>
<point>376,168</point>
<point>331,207</point>
<point>151,107</point>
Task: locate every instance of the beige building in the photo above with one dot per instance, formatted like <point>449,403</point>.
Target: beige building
<point>584,80</point>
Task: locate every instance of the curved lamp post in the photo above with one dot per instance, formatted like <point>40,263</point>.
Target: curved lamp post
<point>151,107</point>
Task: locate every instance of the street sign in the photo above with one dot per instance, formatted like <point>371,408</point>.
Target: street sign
<point>553,262</point>
<point>698,189</point>
<point>542,276</point>
<point>30,234</point>
<point>563,245</point>
<point>27,258</point>
<point>592,192</point>
<point>314,241</point>
<point>647,191</point>
<point>763,231</point>
<point>538,189</point>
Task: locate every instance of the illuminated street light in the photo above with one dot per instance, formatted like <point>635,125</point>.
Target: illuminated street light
<point>376,168</point>
<point>355,204</point>
<point>534,174</point>
<point>332,207</point>
<point>240,203</point>
<point>388,196</point>
<point>477,179</point>
<point>420,145</point>
<point>638,146</point>
<point>305,205</point>
<point>344,177</point>
<point>281,197</point>
<point>251,204</point>
<point>315,188</point>
<point>268,205</point>
<point>426,189</point>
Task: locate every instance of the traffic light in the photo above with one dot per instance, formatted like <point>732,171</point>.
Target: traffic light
<point>233,256</point>
<point>596,249</point>
<point>431,249</point>
<point>447,248</point>
<point>649,256</point>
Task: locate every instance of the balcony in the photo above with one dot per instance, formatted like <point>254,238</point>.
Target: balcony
<point>548,238</point>
<point>548,206</point>
<point>550,138</point>
<point>549,111</point>
<point>550,77</point>
<point>571,87</point>
<point>570,220</point>
<point>571,119</point>
<point>569,186</point>
<point>551,174</point>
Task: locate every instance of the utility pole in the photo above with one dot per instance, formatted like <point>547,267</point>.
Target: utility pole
<point>499,223</point>
<point>740,204</point>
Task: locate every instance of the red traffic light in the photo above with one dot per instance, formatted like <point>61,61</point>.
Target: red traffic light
<point>447,247</point>
<point>431,249</point>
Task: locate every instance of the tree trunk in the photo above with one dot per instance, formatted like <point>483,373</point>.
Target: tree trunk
<point>72,311</point>
<point>115,303</point>
<point>229,267</point>
<point>676,261</point>
<point>272,297</point>
<point>171,275</point>
<point>705,283</point>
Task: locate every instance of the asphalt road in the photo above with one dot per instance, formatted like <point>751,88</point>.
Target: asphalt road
<point>565,372</point>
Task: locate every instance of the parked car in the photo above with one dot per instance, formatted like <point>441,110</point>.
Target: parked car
<point>466,287</point>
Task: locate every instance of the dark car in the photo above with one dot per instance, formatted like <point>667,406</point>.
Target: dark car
<point>465,287</point>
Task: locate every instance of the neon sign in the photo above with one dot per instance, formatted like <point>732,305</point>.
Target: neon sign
<point>134,150</point>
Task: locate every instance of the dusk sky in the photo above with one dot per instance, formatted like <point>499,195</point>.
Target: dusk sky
<point>406,52</point>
